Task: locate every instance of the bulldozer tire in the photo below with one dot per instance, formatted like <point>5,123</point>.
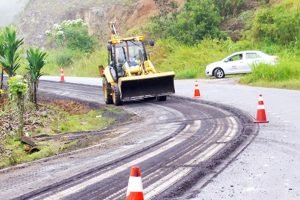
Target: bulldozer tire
<point>161,98</point>
<point>116,96</point>
<point>107,92</point>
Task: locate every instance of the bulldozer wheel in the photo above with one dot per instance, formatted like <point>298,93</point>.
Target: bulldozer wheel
<point>161,98</point>
<point>107,92</point>
<point>116,96</point>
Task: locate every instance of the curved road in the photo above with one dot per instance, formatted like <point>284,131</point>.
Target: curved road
<point>176,143</point>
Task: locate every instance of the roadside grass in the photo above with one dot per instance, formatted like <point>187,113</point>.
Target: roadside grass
<point>188,61</point>
<point>59,122</point>
<point>286,74</point>
<point>90,121</point>
<point>83,65</point>
<point>17,155</point>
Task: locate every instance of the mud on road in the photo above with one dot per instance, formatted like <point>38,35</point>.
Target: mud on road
<point>177,144</point>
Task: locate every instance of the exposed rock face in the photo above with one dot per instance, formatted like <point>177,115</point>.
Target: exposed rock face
<point>39,16</point>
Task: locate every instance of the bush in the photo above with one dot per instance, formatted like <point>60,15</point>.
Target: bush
<point>72,34</point>
<point>197,20</point>
<point>64,59</point>
<point>279,23</point>
<point>229,8</point>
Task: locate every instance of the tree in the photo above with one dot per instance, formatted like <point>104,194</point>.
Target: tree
<point>198,20</point>
<point>18,88</point>
<point>278,23</point>
<point>36,61</point>
<point>72,34</point>
<point>168,9</point>
<point>11,57</point>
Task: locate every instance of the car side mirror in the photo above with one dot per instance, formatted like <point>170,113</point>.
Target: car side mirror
<point>151,43</point>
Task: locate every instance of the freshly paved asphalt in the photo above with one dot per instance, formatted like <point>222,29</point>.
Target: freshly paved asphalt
<point>269,167</point>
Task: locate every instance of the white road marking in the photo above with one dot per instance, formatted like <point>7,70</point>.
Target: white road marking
<point>82,186</point>
<point>167,181</point>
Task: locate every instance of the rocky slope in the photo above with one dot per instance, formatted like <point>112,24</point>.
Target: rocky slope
<point>40,16</point>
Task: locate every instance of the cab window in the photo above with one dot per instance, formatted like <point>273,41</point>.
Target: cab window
<point>252,55</point>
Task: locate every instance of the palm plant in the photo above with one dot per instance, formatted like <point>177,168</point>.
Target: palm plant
<point>10,60</point>
<point>36,60</point>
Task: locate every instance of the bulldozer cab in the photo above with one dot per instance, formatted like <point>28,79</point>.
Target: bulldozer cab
<point>127,56</point>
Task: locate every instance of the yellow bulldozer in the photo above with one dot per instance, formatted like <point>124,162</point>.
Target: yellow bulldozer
<point>130,74</point>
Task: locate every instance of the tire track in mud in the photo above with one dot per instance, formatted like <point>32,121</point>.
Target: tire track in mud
<point>200,138</point>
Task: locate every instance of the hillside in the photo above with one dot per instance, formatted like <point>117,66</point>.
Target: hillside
<point>40,16</point>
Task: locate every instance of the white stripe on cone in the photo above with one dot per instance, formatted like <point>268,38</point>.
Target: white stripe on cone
<point>260,107</point>
<point>134,185</point>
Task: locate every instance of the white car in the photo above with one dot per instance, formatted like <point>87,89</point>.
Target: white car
<point>239,63</point>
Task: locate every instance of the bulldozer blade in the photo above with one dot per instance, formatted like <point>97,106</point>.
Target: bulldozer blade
<point>160,84</point>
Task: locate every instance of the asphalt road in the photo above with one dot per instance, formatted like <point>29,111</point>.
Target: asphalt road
<point>177,144</point>
<point>269,167</point>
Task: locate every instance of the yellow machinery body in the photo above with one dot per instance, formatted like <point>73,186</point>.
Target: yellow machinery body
<point>130,74</point>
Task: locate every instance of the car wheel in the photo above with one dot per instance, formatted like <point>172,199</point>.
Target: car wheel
<point>219,73</point>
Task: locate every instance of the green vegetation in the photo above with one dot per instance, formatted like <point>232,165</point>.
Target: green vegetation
<point>229,8</point>
<point>36,61</point>
<point>191,37</point>
<point>13,108</point>
<point>275,29</point>
<point>278,24</point>
<point>187,61</point>
<point>72,34</point>
<point>18,88</point>
<point>286,74</point>
<point>18,155</point>
<point>90,121</point>
<point>62,121</point>
<point>72,41</point>
<point>10,58</point>
<point>57,119</point>
<point>83,65</point>
<point>196,21</point>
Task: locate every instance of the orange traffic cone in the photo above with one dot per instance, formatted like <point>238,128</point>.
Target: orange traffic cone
<point>135,186</point>
<point>62,75</point>
<point>261,112</point>
<point>197,90</point>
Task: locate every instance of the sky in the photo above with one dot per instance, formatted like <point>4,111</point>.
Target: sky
<point>9,9</point>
